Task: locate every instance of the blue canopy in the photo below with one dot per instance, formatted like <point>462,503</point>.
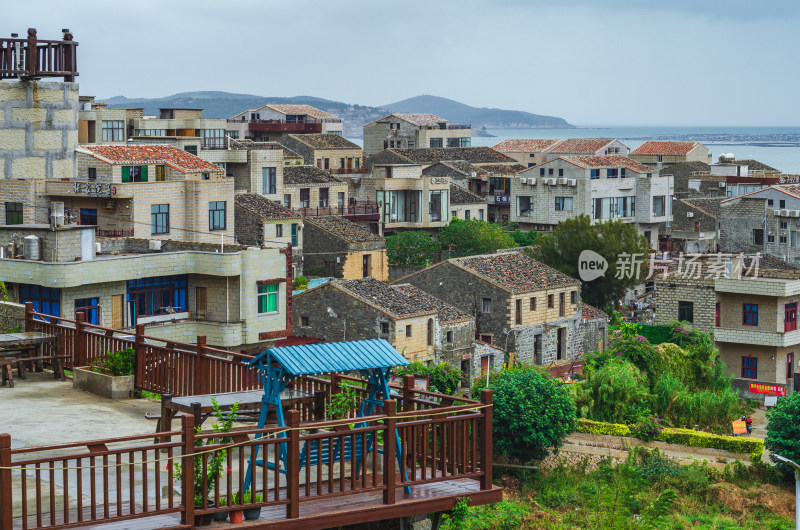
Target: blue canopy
<point>330,357</point>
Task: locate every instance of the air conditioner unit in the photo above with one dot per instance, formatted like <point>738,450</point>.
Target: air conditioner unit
<point>784,213</point>
<point>553,182</point>
<point>532,181</point>
<point>572,182</point>
<point>57,213</point>
<point>794,213</point>
<point>155,245</point>
<point>689,214</point>
<point>523,181</point>
<point>722,184</point>
<point>473,174</point>
<point>491,173</point>
<point>563,182</point>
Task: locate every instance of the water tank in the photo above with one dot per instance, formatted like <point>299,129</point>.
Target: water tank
<point>727,157</point>
<point>30,247</point>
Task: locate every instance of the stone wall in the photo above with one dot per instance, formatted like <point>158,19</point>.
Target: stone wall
<point>699,291</point>
<point>38,129</point>
<point>62,244</point>
<point>737,224</point>
<point>123,245</point>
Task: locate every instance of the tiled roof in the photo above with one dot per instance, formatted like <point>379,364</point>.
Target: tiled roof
<point>250,145</point>
<point>708,206</point>
<point>459,195</point>
<point>447,313</point>
<point>343,228</point>
<point>590,313</point>
<point>325,141</point>
<point>306,110</point>
<point>684,170</point>
<point>510,146</point>
<point>770,262</point>
<point>421,120</point>
<point>588,146</point>
<point>151,154</point>
<point>298,175</point>
<point>401,300</point>
<point>665,148</point>
<point>263,207</point>
<point>606,161</point>
<point>501,169</point>
<point>516,271</point>
<point>442,168</point>
<point>754,165</point>
<point>473,155</point>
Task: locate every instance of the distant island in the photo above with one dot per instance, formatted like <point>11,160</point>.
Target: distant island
<point>216,104</point>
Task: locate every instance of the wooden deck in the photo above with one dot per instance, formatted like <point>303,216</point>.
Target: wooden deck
<point>328,512</point>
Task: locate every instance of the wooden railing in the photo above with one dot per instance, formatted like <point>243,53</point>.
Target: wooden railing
<point>32,58</point>
<point>105,481</point>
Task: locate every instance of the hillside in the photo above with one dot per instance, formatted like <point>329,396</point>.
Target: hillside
<point>216,104</point>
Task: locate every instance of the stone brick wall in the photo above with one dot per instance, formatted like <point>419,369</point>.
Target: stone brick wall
<point>737,224</point>
<point>38,129</point>
<point>29,192</point>
<point>699,291</point>
<point>63,244</point>
<point>463,343</point>
<point>352,265</point>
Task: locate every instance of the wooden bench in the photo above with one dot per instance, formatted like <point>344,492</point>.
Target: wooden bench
<point>7,363</point>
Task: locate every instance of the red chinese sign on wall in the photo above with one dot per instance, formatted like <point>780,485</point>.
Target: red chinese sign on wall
<point>768,390</point>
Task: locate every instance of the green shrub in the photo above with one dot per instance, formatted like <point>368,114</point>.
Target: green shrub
<point>655,334</point>
<point>532,413</point>
<point>316,272</point>
<point>301,282</point>
<point>616,392</point>
<point>119,363</point>
<point>443,377</point>
<point>783,428</point>
<point>598,427</point>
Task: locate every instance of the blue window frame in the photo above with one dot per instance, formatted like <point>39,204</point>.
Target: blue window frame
<point>612,173</point>
<point>269,184</point>
<point>294,234</point>
<point>156,295</point>
<point>750,367</point>
<point>44,299</point>
<point>595,173</point>
<point>88,216</point>
<point>750,315</point>
<point>90,307</point>
<point>217,213</point>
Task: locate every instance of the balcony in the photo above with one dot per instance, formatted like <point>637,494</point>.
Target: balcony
<point>349,171</point>
<point>104,232</point>
<point>284,127</point>
<point>361,210</point>
<point>741,335</point>
<point>32,58</point>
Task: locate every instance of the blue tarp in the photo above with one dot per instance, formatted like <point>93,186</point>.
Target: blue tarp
<point>306,359</point>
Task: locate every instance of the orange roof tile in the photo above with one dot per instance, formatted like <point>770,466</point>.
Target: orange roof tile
<point>151,154</point>
<point>605,161</point>
<point>588,146</point>
<point>524,145</point>
<point>664,148</point>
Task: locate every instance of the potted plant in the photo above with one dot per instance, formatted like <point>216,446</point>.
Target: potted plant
<point>246,498</point>
<point>110,377</point>
<point>342,403</point>
<point>221,516</point>
<point>214,461</point>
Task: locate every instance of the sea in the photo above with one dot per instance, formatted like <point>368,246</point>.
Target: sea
<point>778,147</point>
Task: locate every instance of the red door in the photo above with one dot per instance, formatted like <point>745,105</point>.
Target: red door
<point>790,317</point>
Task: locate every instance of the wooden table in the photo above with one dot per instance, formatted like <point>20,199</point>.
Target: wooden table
<point>201,408</point>
<point>11,344</point>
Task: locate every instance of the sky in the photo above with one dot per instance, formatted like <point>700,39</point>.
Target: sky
<point>591,62</point>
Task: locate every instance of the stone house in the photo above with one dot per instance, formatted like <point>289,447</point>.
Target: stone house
<point>695,226</point>
<point>519,304</point>
<point>662,154</point>
<point>602,187</point>
<point>418,325</point>
<point>344,249</point>
<point>466,205</point>
<point>414,131</point>
<point>527,152</point>
<point>330,152</point>
<point>237,296</point>
<point>685,298</point>
<point>309,190</point>
<point>586,147</point>
<point>271,121</point>
<point>261,222</point>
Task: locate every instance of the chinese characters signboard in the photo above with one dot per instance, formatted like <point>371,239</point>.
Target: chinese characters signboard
<point>768,390</point>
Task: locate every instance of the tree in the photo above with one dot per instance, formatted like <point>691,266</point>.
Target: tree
<point>411,248</point>
<point>470,237</point>
<point>524,239</point>
<point>610,239</point>
<point>783,429</point>
<point>532,413</point>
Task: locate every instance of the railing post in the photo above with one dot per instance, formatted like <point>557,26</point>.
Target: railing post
<point>141,354</point>
<point>187,470</point>
<point>293,465</point>
<point>334,383</point>
<point>32,53</point>
<point>408,392</point>
<point>29,316</point>
<point>202,382</point>
<point>389,445</point>
<point>79,341</point>
<point>6,522</point>
<point>319,405</point>
<point>486,440</point>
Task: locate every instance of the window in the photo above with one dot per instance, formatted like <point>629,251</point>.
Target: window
<point>770,202</point>
<point>88,216</point>
<point>304,321</point>
<point>408,330</point>
<point>750,315</point>
<point>594,173</point>
<point>159,219</point>
<point>782,240</point>
<point>660,158</point>
<point>268,181</point>
<point>340,201</point>
<point>784,225</point>
<point>560,172</point>
<point>790,317</point>
<point>13,213</point>
<point>430,332</point>
<point>212,138</point>
<point>612,173</point>
<point>92,173</point>
<point>436,142</point>
<point>287,200</point>
<point>622,173</point>
<point>410,146</point>
<point>524,206</point>
<point>466,215</point>
<point>749,367</point>
<point>770,239</point>
<point>716,315</point>
<point>113,130</point>
<point>385,146</point>
<point>550,302</point>
<point>480,215</point>
<point>550,171</point>
<point>134,173</point>
<point>518,315</point>
<point>789,366</point>
<point>324,194</point>
<point>160,174</point>
<point>685,311</point>
<point>305,197</point>
<point>782,203</point>
<point>453,214</point>
<point>384,328</point>
<point>268,298</point>
<point>205,176</point>
<point>625,206</point>
<point>156,295</point>
<point>562,306</point>
<point>563,204</point>
<point>191,149</point>
<point>603,208</point>
<point>758,236</point>
<point>573,297</point>
<point>449,338</point>
<point>216,215</point>
<point>89,308</point>
<point>44,299</point>
<point>438,205</point>
<point>533,303</point>
<point>279,230</point>
<point>326,163</point>
<point>659,205</point>
<point>341,163</point>
<point>794,238</point>
<point>486,305</point>
<point>391,143</point>
<point>541,171</point>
